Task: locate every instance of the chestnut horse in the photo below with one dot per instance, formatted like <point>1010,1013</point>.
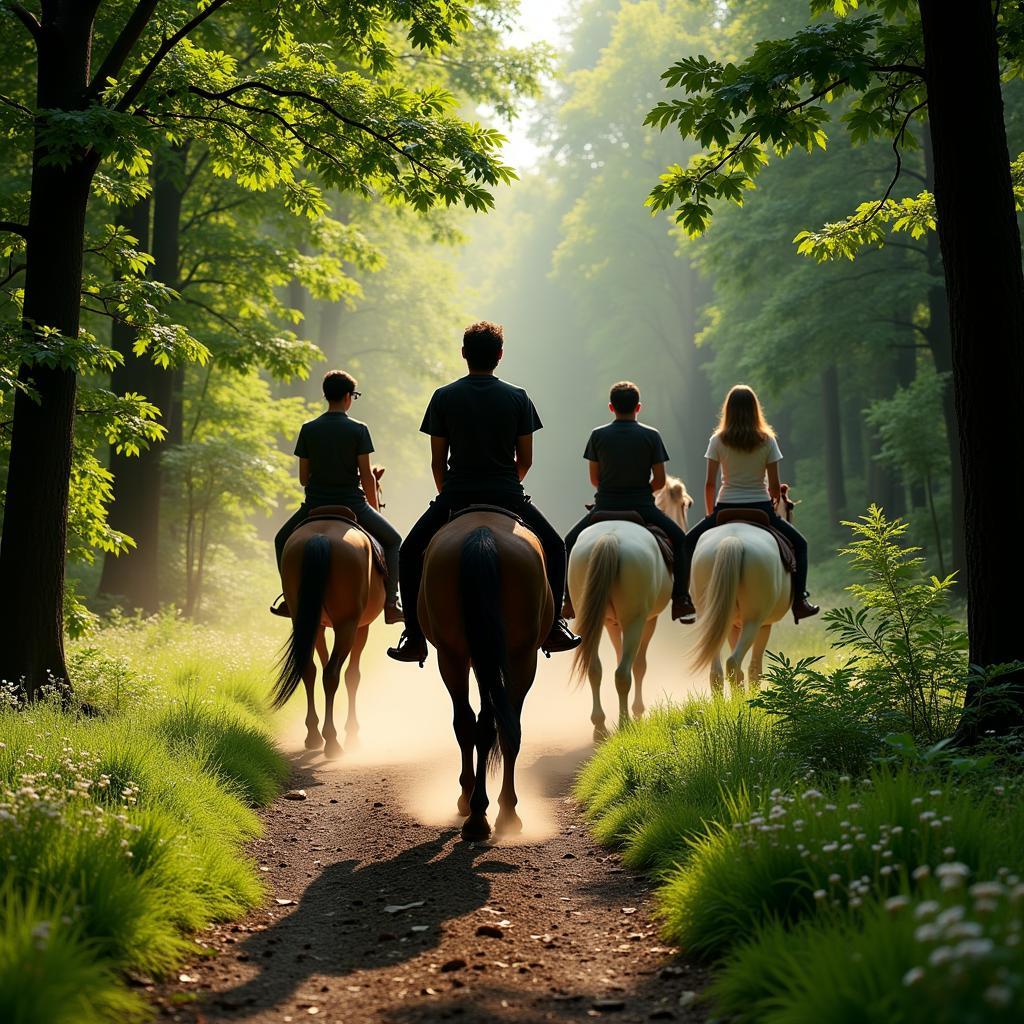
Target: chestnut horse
<point>485,602</point>
<point>329,579</point>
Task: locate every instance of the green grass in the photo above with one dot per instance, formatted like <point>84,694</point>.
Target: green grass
<point>122,831</point>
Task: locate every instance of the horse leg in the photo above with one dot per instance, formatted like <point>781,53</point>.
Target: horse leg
<point>352,677</point>
<point>757,655</point>
<point>594,674</point>
<point>631,637</point>
<point>321,646</point>
<point>734,663</point>
<point>475,828</point>
<point>314,741</point>
<point>522,671</point>
<point>455,673</point>
<point>640,668</point>
<point>717,676</point>
<point>344,637</point>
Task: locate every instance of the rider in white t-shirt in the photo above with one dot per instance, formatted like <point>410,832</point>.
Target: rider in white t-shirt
<point>745,451</point>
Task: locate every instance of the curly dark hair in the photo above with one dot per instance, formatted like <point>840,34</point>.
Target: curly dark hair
<point>625,397</point>
<point>482,343</point>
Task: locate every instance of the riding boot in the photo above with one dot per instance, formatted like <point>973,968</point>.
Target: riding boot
<point>683,610</point>
<point>409,649</point>
<point>561,638</point>
<point>280,607</point>
<point>803,609</point>
<point>568,612</point>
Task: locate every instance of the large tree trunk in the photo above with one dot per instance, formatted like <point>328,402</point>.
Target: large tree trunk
<point>981,257</point>
<point>832,442</point>
<point>131,576</point>
<point>33,546</point>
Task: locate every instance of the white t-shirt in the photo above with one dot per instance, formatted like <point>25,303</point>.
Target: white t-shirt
<point>744,474</point>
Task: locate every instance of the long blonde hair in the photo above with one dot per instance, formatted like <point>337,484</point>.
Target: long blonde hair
<point>742,425</point>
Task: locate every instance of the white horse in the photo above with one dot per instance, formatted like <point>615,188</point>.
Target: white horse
<point>740,589</point>
<point>618,581</point>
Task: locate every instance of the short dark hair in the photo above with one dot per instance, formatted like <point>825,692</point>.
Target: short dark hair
<point>482,343</point>
<point>338,384</point>
<point>624,396</point>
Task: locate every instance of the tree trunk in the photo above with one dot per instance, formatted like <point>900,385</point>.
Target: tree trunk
<point>34,542</point>
<point>832,440</point>
<point>981,257</point>
<point>132,575</point>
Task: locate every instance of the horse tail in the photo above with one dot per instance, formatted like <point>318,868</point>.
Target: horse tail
<point>602,571</point>
<point>716,617</point>
<point>298,651</point>
<point>480,591</point>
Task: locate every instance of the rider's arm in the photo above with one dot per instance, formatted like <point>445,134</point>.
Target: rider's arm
<point>524,454</point>
<point>595,472</point>
<point>774,487</point>
<point>657,476</point>
<point>303,471</point>
<point>368,481</point>
<point>710,483</point>
<point>438,460</point>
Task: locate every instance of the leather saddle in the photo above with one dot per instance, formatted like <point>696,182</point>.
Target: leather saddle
<point>497,509</point>
<point>629,516</point>
<point>343,514</point>
<point>755,517</point>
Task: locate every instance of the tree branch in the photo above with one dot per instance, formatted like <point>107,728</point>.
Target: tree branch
<point>26,17</point>
<point>143,77</point>
<point>121,48</point>
<point>13,228</point>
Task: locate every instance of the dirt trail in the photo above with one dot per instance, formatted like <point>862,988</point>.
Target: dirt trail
<point>549,928</point>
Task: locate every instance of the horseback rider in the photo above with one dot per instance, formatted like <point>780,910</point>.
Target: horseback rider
<point>481,441</point>
<point>746,451</point>
<point>334,467</point>
<point>627,466</point>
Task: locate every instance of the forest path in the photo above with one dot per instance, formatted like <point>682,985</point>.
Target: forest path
<point>544,929</point>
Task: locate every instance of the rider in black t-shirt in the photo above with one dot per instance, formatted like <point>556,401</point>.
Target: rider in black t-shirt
<point>334,468</point>
<point>627,465</point>
<point>481,441</point>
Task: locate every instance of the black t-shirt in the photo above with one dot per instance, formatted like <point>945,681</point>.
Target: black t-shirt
<point>481,416</point>
<point>333,443</point>
<point>625,450</point>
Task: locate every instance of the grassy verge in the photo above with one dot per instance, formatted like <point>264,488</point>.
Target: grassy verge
<point>892,898</point>
<point>122,831</point>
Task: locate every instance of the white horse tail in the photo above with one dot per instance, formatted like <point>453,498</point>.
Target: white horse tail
<point>719,601</point>
<point>602,571</point>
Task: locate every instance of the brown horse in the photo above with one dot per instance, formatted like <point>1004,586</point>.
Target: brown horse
<point>329,579</point>
<point>485,602</point>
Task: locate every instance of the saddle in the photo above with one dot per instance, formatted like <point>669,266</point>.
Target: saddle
<point>629,516</point>
<point>343,514</point>
<point>755,517</point>
<point>498,509</point>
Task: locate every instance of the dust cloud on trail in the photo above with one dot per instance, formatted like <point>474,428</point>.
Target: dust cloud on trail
<point>405,718</point>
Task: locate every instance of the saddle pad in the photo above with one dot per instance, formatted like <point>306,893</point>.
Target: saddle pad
<point>631,516</point>
<point>343,514</point>
<point>499,509</point>
<point>755,517</point>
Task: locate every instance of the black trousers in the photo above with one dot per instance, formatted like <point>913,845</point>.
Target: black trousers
<point>650,513</point>
<point>372,522</point>
<point>792,534</point>
<point>438,513</point>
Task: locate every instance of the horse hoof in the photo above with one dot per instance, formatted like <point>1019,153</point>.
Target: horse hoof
<point>314,742</point>
<point>332,749</point>
<point>464,806</point>
<point>352,742</point>
<point>508,824</point>
<point>600,734</point>
<point>476,830</point>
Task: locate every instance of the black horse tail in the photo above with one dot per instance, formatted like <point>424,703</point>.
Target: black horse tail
<point>298,651</point>
<point>480,588</point>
